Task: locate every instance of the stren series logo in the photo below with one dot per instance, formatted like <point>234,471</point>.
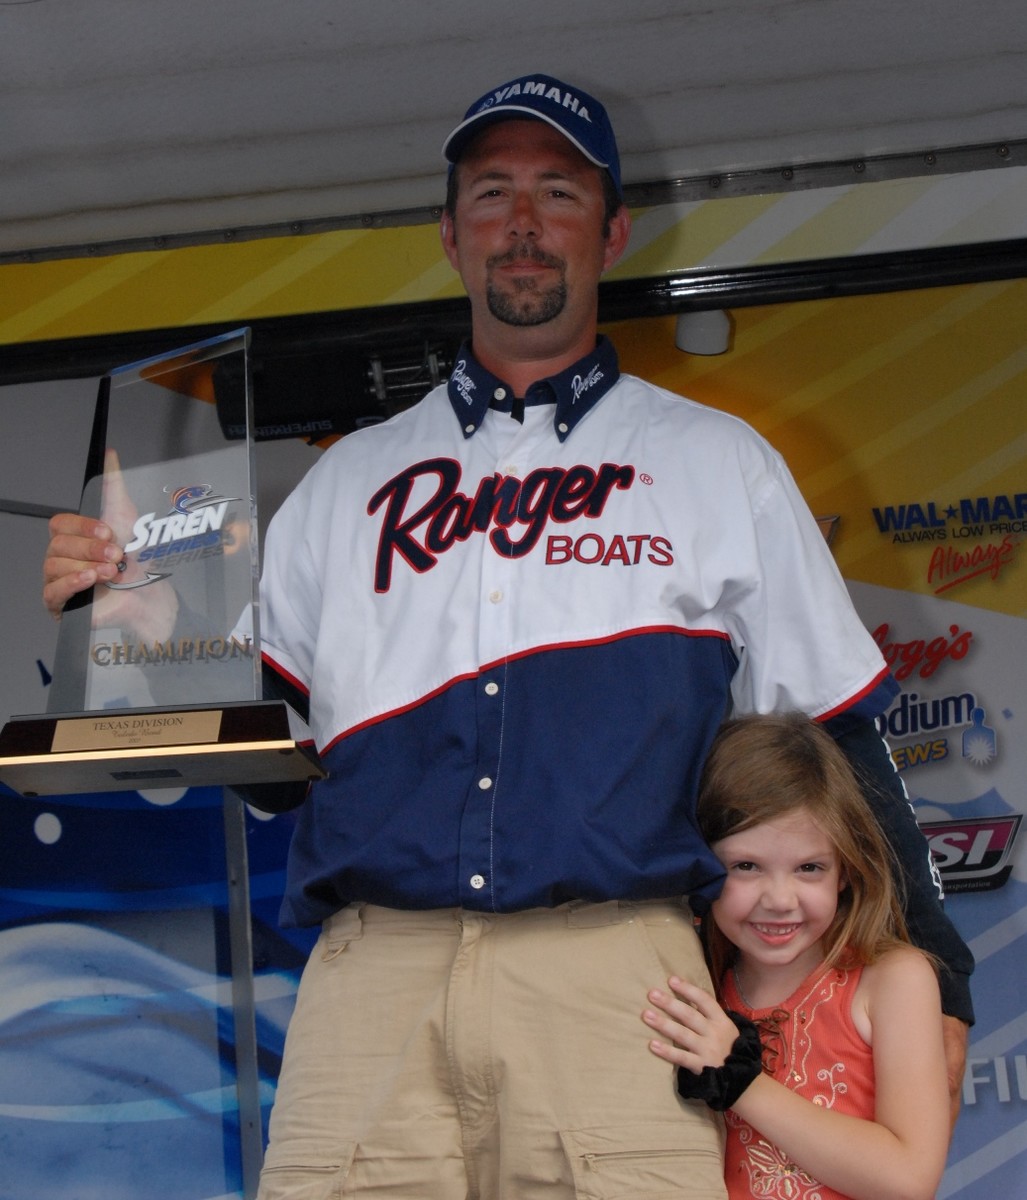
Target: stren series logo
<point>190,529</point>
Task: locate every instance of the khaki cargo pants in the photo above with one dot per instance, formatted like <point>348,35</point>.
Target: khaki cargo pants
<point>452,1055</point>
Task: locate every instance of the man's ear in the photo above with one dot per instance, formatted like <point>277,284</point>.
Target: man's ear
<point>617,237</point>
<point>447,232</point>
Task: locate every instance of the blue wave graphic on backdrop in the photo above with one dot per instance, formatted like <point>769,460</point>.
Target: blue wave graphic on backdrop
<point>116,1076</point>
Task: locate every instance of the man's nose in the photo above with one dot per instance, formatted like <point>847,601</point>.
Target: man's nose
<point>524,217</point>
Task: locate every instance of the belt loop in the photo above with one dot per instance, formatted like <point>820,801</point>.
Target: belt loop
<point>341,928</point>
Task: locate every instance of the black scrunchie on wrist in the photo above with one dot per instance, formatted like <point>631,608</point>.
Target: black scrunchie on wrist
<point>720,1087</point>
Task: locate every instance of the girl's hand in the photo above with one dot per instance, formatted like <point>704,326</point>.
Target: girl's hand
<point>697,1031</point>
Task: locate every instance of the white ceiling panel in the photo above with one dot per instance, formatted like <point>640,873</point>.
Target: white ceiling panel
<point>136,119</point>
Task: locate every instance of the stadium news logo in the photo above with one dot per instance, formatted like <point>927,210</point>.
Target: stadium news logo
<point>974,854</point>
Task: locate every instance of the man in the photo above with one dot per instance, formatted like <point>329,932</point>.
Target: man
<point>520,611</point>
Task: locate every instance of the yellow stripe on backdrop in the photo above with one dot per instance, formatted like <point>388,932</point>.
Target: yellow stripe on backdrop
<point>818,223</point>
<point>236,281</point>
<point>81,297</point>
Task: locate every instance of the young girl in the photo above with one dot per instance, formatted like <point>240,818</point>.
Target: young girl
<point>808,942</point>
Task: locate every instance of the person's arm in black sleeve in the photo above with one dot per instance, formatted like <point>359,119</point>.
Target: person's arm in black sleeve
<point>277,687</point>
<point>233,678</point>
<point>929,925</point>
<point>283,796</point>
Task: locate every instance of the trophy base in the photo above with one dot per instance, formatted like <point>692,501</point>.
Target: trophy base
<point>226,745</point>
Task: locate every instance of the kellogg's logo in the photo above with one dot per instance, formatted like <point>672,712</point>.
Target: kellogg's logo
<point>919,655</point>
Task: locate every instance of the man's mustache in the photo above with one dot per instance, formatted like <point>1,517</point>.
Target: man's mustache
<point>525,252</point>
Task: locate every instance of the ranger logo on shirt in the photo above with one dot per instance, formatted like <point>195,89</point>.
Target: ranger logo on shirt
<point>500,505</point>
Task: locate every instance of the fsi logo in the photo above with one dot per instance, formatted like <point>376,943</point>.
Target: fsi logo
<point>973,855</point>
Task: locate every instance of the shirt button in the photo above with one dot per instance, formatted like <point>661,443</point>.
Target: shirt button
<point>562,427</point>
<point>484,783</point>
<point>499,394</point>
<point>495,596</point>
<point>477,882</point>
<point>468,429</point>
<point>491,689</point>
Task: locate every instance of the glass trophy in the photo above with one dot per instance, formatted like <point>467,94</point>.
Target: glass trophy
<point>157,675</point>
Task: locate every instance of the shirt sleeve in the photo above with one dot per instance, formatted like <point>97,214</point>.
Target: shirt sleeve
<point>800,642</point>
<point>290,599</point>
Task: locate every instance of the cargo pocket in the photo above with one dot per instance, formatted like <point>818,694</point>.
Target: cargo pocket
<point>656,1161</point>
<point>305,1169</point>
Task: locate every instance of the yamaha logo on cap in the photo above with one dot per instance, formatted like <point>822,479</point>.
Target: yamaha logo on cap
<point>577,115</point>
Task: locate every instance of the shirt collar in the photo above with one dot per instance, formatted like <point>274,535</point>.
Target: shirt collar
<point>575,391</point>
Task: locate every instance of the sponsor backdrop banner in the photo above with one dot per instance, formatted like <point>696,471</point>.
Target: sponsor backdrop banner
<point>902,418</point>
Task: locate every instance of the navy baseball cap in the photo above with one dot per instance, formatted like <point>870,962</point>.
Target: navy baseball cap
<point>577,115</point>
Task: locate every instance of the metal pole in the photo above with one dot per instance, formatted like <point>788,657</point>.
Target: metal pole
<point>244,1014</point>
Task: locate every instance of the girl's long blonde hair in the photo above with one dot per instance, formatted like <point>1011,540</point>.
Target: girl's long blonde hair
<point>762,767</point>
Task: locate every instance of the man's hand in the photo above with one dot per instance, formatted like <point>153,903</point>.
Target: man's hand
<point>83,552</point>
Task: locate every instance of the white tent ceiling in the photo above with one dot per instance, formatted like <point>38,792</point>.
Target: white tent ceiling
<point>123,120</point>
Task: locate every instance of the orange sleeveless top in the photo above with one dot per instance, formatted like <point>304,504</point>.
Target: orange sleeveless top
<point>811,1045</point>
